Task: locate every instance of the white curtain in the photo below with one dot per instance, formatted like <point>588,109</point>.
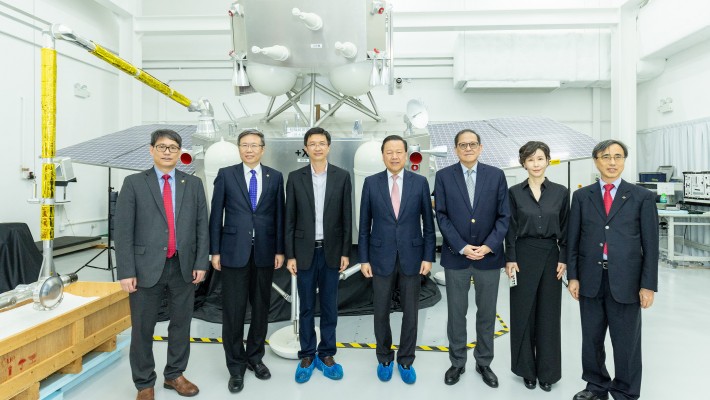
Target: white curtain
<point>685,145</point>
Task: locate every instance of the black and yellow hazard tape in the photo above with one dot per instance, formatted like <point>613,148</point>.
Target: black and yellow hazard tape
<point>355,345</point>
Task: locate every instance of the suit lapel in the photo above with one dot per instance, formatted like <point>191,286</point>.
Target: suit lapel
<point>622,194</point>
<point>406,192</point>
<point>461,184</point>
<point>480,182</point>
<point>265,183</point>
<point>308,186</point>
<point>385,191</point>
<point>179,191</point>
<point>151,180</point>
<point>597,200</point>
<point>241,182</point>
<point>329,187</point>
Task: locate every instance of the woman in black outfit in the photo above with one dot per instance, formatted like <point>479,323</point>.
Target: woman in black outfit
<point>535,248</point>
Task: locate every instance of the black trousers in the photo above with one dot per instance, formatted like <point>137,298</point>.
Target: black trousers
<point>535,308</point>
<point>624,323</point>
<point>145,304</point>
<point>383,287</point>
<point>239,285</point>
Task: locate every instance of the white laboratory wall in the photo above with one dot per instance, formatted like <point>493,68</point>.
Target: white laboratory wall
<point>686,80</point>
<point>77,119</point>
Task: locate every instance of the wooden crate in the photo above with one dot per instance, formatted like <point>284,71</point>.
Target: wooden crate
<point>58,344</point>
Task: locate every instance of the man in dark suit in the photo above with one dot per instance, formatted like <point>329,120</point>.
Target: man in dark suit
<point>472,210</point>
<point>396,246</point>
<point>161,245</point>
<point>318,241</point>
<point>613,271</point>
<point>249,197</point>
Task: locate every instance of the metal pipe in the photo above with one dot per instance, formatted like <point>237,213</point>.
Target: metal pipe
<point>372,101</point>
<point>281,292</point>
<point>295,106</point>
<point>330,111</point>
<point>352,102</point>
<point>290,102</point>
<point>271,104</point>
<point>49,147</point>
<point>312,121</point>
<point>294,304</point>
<point>389,37</point>
<point>62,32</point>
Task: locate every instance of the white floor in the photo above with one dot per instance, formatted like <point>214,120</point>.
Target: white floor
<point>675,345</point>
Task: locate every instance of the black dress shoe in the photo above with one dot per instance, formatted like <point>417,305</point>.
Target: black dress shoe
<point>588,395</point>
<point>530,383</point>
<point>545,386</point>
<point>489,378</point>
<point>453,374</point>
<point>261,371</point>
<point>236,383</point>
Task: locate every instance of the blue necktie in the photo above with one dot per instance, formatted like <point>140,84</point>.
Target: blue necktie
<point>252,190</point>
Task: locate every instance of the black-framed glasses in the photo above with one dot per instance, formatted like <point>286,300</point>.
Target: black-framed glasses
<point>615,157</point>
<point>161,148</point>
<point>250,146</point>
<point>472,145</point>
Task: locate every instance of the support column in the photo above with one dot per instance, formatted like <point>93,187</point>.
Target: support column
<point>624,56</point>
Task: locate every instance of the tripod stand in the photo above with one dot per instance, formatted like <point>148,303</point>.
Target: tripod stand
<point>112,196</point>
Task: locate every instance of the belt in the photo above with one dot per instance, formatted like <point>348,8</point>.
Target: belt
<point>605,264</point>
<point>319,244</point>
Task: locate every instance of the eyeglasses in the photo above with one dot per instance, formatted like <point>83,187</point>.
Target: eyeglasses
<point>250,146</point>
<point>315,145</point>
<point>615,157</point>
<point>472,146</point>
<point>161,148</point>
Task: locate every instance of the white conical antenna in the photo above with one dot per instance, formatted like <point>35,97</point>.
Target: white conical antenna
<point>438,151</point>
<point>310,20</point>
<point>276,52</point>
<point>417,116</point>
<point>346,49</point>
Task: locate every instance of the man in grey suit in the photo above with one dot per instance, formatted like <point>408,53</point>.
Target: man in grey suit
<point>318,241</point>
<point>161,245</point>
<point>247,244</point>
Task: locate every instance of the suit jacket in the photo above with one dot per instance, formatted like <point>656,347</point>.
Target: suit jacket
<point>382,235</point>
<point>300,217</point>
<point>484,223</point>
<point>142,229</point>
<point>231,203</point>
<point>631,233</point>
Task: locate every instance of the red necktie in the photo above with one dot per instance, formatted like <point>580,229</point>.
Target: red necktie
<point>168,203</point>
<point>607,202</point>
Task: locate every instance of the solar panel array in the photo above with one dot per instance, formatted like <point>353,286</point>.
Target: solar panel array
<point>126,149</point>
<point>502,137</point>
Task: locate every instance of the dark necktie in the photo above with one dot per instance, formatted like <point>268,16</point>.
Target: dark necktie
<point>607,202</point>
<point>252,190</point>
<point>169,215</point>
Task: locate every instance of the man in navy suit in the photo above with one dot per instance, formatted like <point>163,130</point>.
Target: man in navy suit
<point>247,249</point>
<point>473,214</point>
<point>396,246</point>
<point>613,271</point>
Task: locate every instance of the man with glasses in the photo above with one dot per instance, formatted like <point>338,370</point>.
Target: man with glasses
<point>161,245</point>
<point>318,241</point>
<point>471,201</point>
<point>246,248</point>
<point>612,242</point>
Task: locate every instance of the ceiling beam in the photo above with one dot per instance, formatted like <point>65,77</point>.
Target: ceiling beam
<point>434,21</point>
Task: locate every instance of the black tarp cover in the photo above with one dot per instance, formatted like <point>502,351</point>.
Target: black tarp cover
<point>20,261</point>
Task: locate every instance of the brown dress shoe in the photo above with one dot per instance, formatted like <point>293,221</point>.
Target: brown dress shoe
<point>182,386</point>
<point>146,394</point>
